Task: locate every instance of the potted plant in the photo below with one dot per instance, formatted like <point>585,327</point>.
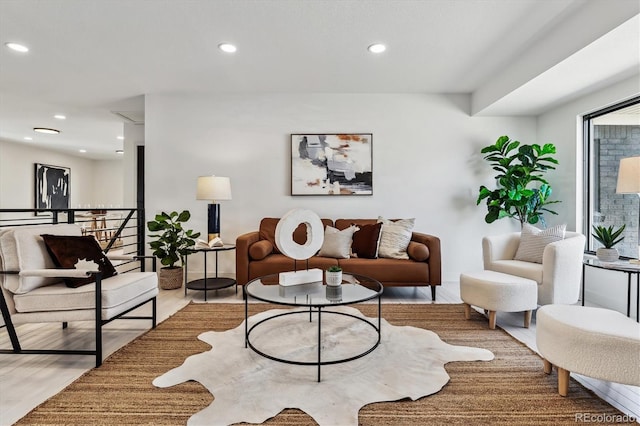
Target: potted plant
<point>171,245</point>
<point>519,167</point>
<point>608,237</point>
<point>333,276</point>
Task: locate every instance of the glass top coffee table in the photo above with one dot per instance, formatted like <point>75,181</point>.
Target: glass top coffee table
<point>318,298</point>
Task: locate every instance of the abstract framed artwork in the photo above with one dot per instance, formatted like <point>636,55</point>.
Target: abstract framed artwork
<point>51,187</point>
<point>332,164</point>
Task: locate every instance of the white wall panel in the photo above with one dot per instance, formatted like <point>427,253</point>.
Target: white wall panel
<point>426,161</point>
<point>92,182</point>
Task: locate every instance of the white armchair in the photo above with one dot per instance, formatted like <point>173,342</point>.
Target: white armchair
<point>558,276</point>
<point>32,290</point>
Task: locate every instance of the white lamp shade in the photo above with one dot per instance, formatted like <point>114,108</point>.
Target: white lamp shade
<point>213,188</point>
<point>629,176</point>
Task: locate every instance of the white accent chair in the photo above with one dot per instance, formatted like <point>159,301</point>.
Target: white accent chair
<point>558,276</point>
<point>33,290</point>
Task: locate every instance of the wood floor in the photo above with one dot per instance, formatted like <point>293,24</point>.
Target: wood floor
<point>28,380</point>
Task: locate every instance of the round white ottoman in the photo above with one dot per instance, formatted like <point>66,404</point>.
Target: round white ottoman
<point>595,342</point>
<point>495,291</point>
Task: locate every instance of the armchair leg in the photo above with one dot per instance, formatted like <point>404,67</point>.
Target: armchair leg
<point>433,293</point>
<point>467,311</point>
<point>65,325</point>
<point>98,341</point>
<point>492,320</point>
<point>6,316</point>
<point>563,381</point>
<point>99,322</point>
<point>527,319</point>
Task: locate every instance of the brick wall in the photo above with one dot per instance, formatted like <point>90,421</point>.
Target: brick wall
<point>613,143</point>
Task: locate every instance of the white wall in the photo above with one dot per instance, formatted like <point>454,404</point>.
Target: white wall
<point>426,161</point>
<point>108,177</point>
<point>563,126</point>
<point>92,181</point>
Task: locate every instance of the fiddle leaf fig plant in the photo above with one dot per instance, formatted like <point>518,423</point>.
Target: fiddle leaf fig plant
<point>172,240</point>
<point>520,168</point>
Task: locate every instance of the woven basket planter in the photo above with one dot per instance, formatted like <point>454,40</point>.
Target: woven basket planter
<point>171,278</point>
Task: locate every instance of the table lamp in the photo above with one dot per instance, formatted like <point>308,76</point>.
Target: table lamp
<point>213,188</point>
<point>629,183</point>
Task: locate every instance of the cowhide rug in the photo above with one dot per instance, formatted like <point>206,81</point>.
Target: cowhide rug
<point>409,362</point>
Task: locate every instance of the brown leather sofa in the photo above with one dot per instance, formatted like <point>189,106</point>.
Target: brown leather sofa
<point>257,255</point>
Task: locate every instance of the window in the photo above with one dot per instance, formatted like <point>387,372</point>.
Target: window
<point>611,134</point>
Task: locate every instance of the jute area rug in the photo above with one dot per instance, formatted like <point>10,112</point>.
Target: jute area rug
<point>511,389</point>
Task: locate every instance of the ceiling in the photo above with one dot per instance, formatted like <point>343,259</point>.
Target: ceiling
<point>89,58</point>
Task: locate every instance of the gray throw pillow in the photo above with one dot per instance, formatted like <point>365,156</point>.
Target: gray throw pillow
<point>534,240</point>
<point>337,244</point>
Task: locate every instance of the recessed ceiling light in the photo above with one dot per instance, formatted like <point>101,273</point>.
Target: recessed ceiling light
<point>28,138</point>
<point>17,47</point>
<point>119,151</point>
<point>228,48</point>
<point>46,130</point>
<point>82,150</point>
<point>377,48</point>
<point>121,138</point>
<point>60,117</point>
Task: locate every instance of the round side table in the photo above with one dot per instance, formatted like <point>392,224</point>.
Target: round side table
<point>209,283</point>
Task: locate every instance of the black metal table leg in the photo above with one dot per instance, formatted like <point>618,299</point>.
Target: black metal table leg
<point>638,297</point>
<point>246,316</point>
<point>629,294</point>
<point>205,274</point>
<point>186,272</point>
<point>379,316</point>
<point>583,283</point>
<point>319,339</point>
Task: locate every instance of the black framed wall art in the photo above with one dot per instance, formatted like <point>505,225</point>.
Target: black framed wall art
<point>51,186</point>
<point>331,164</point>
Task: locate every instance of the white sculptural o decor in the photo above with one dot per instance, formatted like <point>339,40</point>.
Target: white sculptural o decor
<point>287,246</point>
<point>289,223</point>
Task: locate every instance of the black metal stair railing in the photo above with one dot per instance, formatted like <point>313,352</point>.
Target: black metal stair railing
<point>115,228</point>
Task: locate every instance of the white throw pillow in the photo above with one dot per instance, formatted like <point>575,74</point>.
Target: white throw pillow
<point>534,240</point>
<point>337,243</point>
<point>395,238</point>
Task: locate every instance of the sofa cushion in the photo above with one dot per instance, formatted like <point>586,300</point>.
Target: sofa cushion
<point>534,240</point>
<point>530,270</point>
<point>337,243</point>
<point>68,250</point>
<point>417,251</point>
<point>268,231</point>
<point>366,240</point>
<point>116,290</point>
<point>277,263</point>
<point>22,248</point>
<point>260,249</point>
<point>388,270</point>
<point>395,237</point>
